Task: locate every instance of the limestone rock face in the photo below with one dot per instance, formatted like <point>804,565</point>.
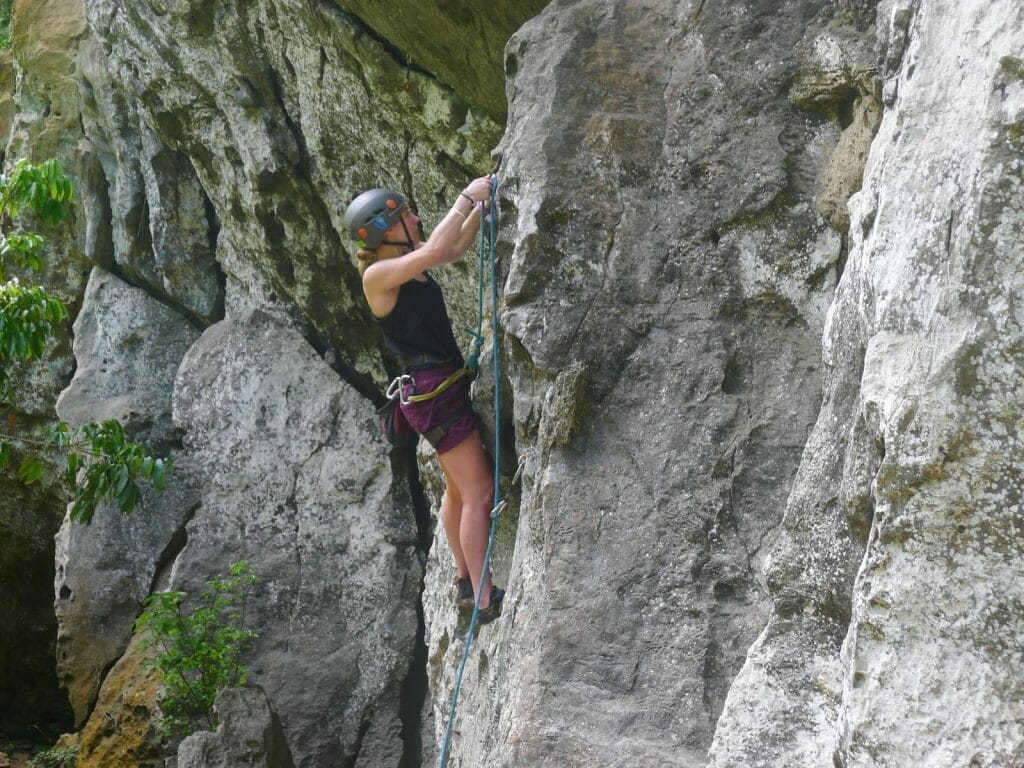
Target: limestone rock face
<point>45,35</point>
<point>668,275</point>
<point>248,735</point>
<point>46,123</point>
<point>150,221</point>
<point>459,43</point>
<point>122,735</point>
<point>105,570</point>
<point>895,634</point>
<point>7,85</point>
<point>294,480</point>
<point>131,388</point>
<point>247,129</point>
<point>768,430</point>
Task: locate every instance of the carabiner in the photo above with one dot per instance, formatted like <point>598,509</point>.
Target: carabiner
<point>496,512</point>
<point>397,388</point>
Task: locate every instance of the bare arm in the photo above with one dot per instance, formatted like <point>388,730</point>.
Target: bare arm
<point>447,243</point>
<point>389,274</point>
<point>467,236</point>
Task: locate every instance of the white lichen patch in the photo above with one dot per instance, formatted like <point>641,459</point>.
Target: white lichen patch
<point>804,280</point>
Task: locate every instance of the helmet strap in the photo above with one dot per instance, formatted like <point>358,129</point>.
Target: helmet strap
<point>408,243</point>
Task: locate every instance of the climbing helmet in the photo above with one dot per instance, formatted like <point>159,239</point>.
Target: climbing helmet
<point>371,214</point>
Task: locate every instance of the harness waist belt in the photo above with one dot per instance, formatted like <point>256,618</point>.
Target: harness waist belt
<point>426,362</point>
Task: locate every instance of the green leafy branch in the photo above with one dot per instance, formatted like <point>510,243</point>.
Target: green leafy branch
<point>6,9</point>
<point>43,188</point>
<point>28,314</point>
<point>102,466</point>
<point>198,651</point>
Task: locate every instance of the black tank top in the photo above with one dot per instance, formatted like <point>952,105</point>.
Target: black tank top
<point>419,323</point>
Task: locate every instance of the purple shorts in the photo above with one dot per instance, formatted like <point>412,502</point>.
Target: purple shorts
<point>451,404</point>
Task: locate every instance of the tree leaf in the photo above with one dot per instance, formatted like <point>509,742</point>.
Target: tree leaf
<point>71,474</point>
<point>31,469</point>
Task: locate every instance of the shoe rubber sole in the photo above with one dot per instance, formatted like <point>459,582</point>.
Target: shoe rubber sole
<point>492,611</point>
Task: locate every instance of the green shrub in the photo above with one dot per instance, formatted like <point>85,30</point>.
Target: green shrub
<point>199,649</point>
<point>55,757</point>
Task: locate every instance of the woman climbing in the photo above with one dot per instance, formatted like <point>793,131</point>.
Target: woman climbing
<point>407,303</point>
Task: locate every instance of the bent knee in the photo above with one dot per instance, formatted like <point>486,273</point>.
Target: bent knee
<point>451,496</point>
<point>483,496</point>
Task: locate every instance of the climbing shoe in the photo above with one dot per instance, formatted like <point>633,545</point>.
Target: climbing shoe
<point>464,590</point>
<point>492,611</point>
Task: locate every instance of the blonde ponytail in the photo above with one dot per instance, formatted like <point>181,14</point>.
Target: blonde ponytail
<point>366,258</point>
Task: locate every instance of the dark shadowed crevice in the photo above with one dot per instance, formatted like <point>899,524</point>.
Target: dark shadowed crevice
<point>174,547</point>
<point>213,235</point>
<point>415,686</point>
<point>841,259</point>
<point>420,505</point>
<point>364,728</point>
<point>734,379</point>
<point>360,382</point>
<point>412,696</point>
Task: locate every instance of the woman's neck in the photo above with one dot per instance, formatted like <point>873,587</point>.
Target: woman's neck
<point>392,251</point>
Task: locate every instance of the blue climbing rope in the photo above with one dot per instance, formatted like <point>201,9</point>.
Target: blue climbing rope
<point>489,234</point>
<point>473,358</point>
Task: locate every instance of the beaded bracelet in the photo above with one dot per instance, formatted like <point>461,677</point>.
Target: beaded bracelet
<point>463,194</point>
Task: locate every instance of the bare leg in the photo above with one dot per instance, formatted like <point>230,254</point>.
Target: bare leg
<point>466,469</point>
<point>451,518</point>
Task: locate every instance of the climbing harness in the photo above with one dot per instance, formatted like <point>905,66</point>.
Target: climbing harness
<point>499,503</point>
<point>397,387</point>
<point>402,391</point>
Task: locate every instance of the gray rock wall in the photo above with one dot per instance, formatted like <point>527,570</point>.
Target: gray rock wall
<point>667,276</point>
<point>894,638</point>
<point>105,570</point>
<point>249,735</point>
<point>293,480</point>
<point>768,434</point>
<point>221,147</point>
